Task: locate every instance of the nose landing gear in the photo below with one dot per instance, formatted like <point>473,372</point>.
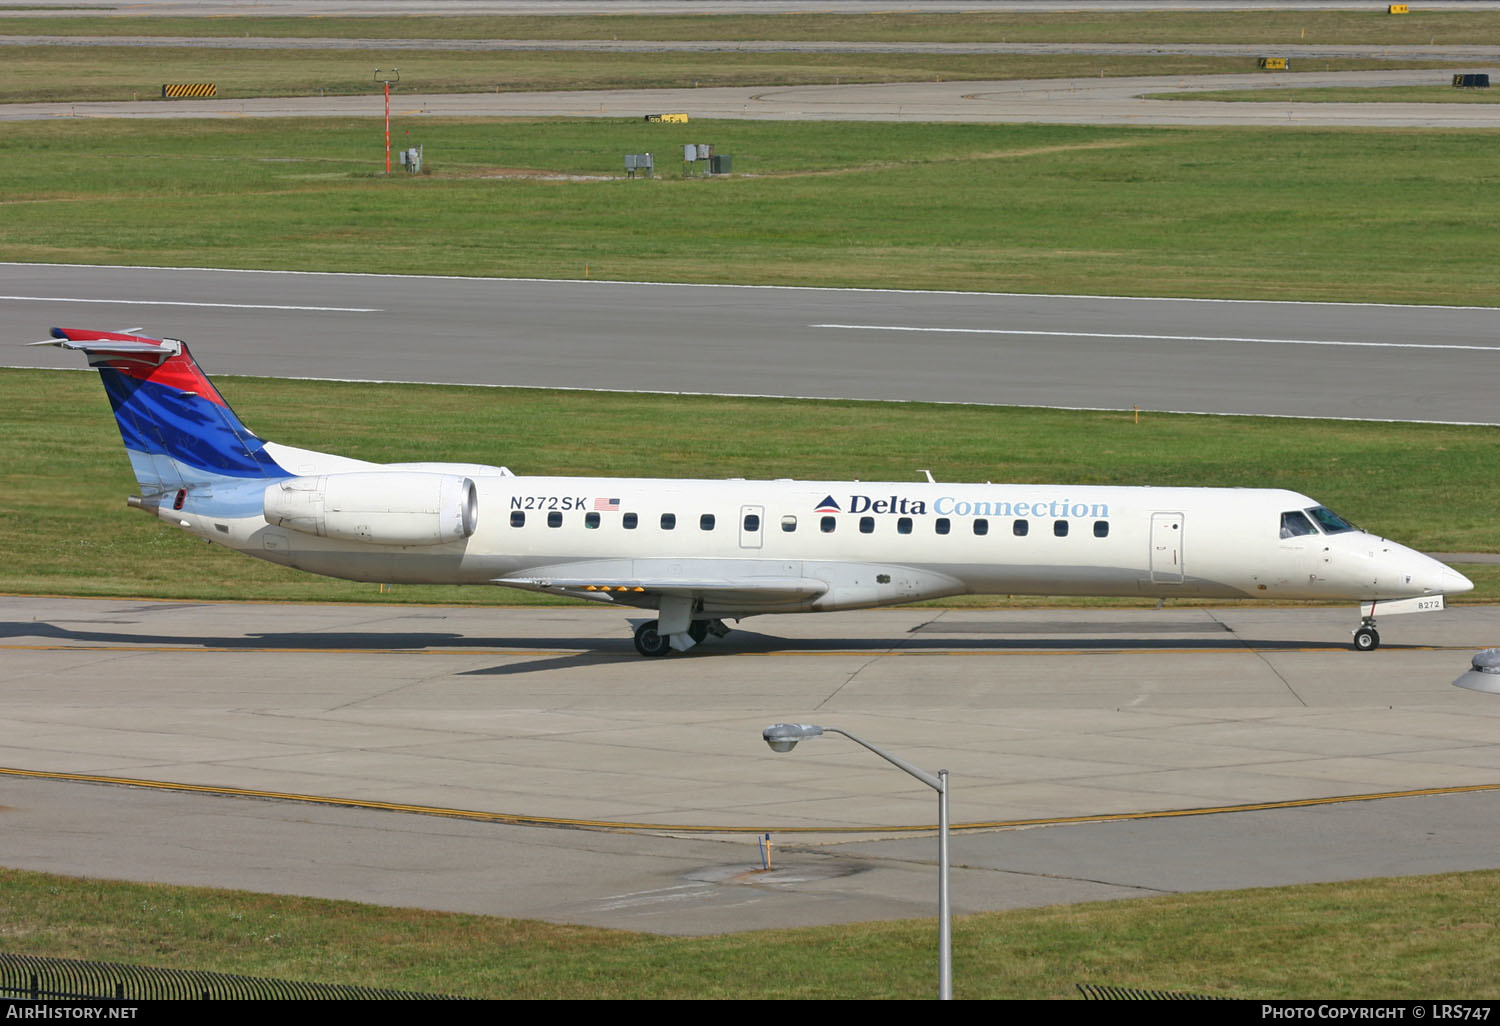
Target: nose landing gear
<point>1366,637</point>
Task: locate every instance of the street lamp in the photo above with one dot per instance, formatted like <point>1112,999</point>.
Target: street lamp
<point>1484,672</point>
<point>783,737</point>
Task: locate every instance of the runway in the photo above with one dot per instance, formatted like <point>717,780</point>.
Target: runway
<point>1099,100</point>
<point>1360,361</point>
<point>547,712</point>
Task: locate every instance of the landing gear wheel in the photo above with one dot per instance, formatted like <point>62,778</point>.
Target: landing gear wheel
<point>649,643</point>
<point>1366,639</point>
<point>698,630</point>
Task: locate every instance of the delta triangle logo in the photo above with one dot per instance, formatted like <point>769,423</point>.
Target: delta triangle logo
<point>828,506</point>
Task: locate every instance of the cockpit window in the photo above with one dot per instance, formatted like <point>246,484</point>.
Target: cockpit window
<point>1329,521</point>
<point>1294,524</point>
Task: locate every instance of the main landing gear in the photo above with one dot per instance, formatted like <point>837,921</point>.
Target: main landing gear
<point>649,641</point>
<point>1366,637</point>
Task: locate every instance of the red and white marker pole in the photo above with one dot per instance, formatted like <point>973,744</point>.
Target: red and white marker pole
<point>394,76</point>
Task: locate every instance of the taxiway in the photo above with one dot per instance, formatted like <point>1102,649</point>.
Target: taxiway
<point>1057,726</point>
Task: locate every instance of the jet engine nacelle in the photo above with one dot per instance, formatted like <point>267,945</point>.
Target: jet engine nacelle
<point>398,508</point>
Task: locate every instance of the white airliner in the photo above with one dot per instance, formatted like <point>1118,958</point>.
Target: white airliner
<point>701,552</point>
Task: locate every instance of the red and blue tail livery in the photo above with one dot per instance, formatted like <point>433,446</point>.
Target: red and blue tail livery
<point>177,428</point>
<point>699,552</point>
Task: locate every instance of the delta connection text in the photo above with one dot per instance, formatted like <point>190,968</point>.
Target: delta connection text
<point>953,506</point>
<point>947,505</point>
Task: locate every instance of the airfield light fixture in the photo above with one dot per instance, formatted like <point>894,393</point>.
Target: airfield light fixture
<point>783,737</point>
<point>1484,672</point>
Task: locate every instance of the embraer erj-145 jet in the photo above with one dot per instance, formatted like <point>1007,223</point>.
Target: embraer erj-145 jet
<point>701,552</point>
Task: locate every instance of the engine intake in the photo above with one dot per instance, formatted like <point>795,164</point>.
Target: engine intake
<point>376,508</point>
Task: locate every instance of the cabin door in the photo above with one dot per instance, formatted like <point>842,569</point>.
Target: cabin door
<point>1166,548</point>
<point>752,525</point>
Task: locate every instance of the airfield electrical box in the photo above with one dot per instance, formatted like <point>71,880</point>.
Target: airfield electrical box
<point>701,158</point>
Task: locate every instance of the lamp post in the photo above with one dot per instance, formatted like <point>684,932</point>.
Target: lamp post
<point>783,737</point>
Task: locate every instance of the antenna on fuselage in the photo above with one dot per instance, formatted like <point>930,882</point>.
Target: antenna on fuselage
<point>930,479</point>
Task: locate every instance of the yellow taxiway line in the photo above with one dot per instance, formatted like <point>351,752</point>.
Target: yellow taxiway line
<point>1010,648</point>
<point>521,819</point>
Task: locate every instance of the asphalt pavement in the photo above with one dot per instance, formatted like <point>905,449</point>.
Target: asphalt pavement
<point>1340,360</point>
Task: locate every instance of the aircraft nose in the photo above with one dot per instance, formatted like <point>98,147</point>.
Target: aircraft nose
<point>1455,583</point>
<point>1428,576</point>
<point>1438,578</point>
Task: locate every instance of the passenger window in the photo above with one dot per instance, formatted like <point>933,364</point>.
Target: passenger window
<point>517,518</point>
<point>1020,528</point>
<point>827,524</point>
<point>866,525</point>
<point>668,521</point>
<point>942,525</point>
<point>554,519</point>
<point>903,525</point>
<point>591,521</point>
<point>1060,528</point>
<point>788,523</point>
<point>752,522</point>
<point>1101,528</point>
<point>981,527</point>
<point>1294,525</point>
<point>706,522</point>
<point>629,520</point>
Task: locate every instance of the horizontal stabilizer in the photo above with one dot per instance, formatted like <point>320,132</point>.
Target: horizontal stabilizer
<point>111,342</point>
<point>103,346</point>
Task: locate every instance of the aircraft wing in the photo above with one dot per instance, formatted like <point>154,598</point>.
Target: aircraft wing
<point>753,582</point>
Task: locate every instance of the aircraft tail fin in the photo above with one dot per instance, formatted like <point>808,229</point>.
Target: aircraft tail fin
<point>177,428</point>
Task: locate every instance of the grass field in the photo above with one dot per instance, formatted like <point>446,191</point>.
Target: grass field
<point>1408,938</point>
<point>1391,216</point>
<point>63,474</point>
<point>1372,26</point>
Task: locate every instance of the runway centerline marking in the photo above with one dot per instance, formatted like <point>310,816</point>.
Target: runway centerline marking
<point>1154,338</point>
<point>213,306</point>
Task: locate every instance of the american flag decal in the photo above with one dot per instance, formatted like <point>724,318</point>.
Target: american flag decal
<point>607,505</point>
